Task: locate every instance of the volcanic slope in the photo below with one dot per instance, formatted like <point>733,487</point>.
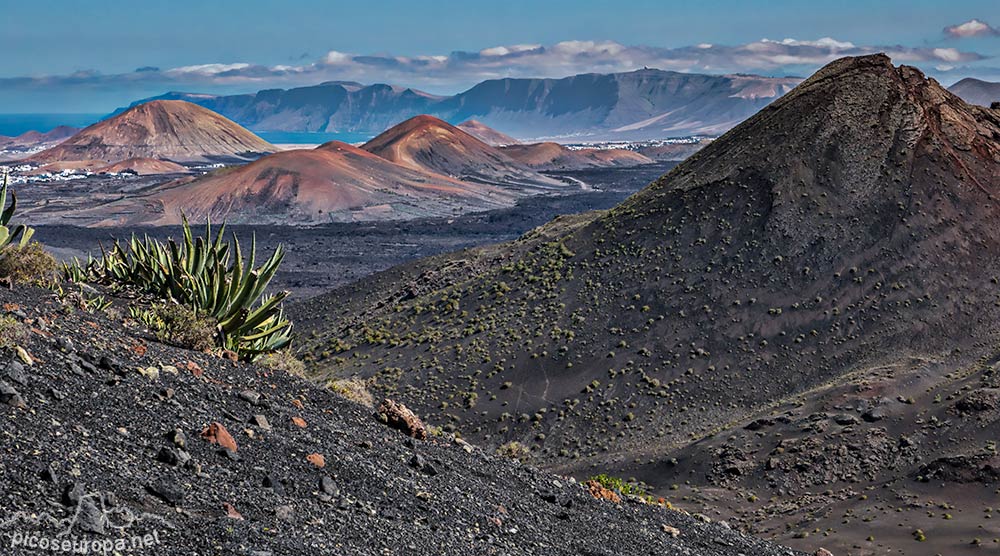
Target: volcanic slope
<point>486,134</point>
<point>334,182</point>
<point>845,231</point>
<point>433,145</point>
<point>208,456</point>
<point>553,156</point>
<point>164,129</point>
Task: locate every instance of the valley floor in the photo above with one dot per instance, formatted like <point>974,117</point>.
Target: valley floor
<point>323,257</point>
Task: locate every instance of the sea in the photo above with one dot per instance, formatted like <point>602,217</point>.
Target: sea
<point>12,125</point>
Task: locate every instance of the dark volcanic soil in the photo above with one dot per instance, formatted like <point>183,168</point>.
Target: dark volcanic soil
<point>105,438</point>
<point>801,320</point>
<point>323,257</point>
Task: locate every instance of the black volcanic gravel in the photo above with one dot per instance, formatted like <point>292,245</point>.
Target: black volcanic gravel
<point>100,451</point>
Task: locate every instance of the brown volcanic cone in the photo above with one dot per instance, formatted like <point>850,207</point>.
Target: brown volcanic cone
<point>842,243</point>
<point>427,143</point>
<point>333,182</point>
<point>553,156</point>
<point>486,134</point>
<point>164,129</point>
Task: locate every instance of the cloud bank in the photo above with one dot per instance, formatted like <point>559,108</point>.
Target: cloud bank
<point>457,70</point>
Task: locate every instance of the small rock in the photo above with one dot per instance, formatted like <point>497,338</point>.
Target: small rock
<point>72,494</point>
<point>873,415</point>
<point>284,513</point>
<point>167,490</point>
<point>399,417</point>
<point>672,531</point>
<point>217,434</point>
<point>89,518</point>
<point>327,485</point>
<point>261,422</point>
<point>15,373</point>
<point>11,397</point>
<point>299,422</point>
<point>823,552</point>
<point>231,511</point>
<point>601,493</point>
<point>421,463</point>
<point>316,459</point>
<point>845,419</point>
<point>178,437</point>
<point>250,396</point>
<point>272,482</point>
<point>172,456</point>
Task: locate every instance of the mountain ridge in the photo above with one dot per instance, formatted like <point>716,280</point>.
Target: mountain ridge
<point>642,104</point>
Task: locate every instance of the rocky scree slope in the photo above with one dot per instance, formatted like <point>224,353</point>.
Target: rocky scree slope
<point>848,227</point>
<point>108,435</point>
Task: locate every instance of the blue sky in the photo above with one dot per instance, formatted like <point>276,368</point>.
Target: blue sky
<point>83,56</point>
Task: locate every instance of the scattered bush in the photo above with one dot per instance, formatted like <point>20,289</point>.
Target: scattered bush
<point>28,263</point>
<point>12,332</point>
<point>180,326</point>
<point>514,450</point>
<point>285,361</point>
<point>354,389</point>
<point>618,485</point>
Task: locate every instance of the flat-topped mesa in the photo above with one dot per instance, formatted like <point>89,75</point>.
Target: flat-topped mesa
<point>162,129</point>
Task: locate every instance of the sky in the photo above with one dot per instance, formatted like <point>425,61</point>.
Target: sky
<point>93,56</point>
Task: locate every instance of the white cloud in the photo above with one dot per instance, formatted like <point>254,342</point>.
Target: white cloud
<point>947,54</point>
<point>971,28</point>
<point>457,70</point>
<point>209,69</point>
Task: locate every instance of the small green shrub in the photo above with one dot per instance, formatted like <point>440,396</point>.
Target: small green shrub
<point>178,325</point>
<point>618,485</point>
<point>285,361</point>
<point>29,263</point>
<point>12,332</point>
<point>514,450</point>
<point>354,389</point>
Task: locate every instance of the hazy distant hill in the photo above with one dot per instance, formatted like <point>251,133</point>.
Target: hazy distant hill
<point>641,104</point>
<point>977,91</point>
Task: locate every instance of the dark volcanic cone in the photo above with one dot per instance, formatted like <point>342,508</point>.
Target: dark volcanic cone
<point>846,232</point>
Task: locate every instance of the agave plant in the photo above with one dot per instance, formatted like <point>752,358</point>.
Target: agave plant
<point>207,274</point>
<point>19,234</point>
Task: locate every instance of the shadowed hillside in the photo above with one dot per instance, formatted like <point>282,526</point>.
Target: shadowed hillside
<point>846,229</point>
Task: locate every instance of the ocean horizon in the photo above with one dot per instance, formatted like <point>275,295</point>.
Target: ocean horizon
<point>12,125</point>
